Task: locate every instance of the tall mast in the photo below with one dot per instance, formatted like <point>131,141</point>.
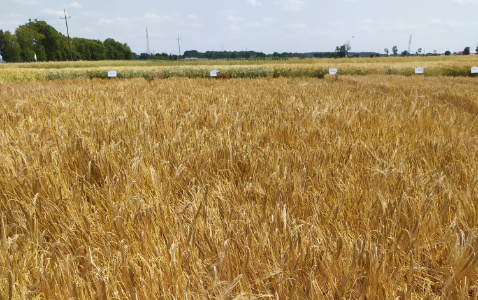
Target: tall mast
<point>147,43</point>
<point>409,44</point>
<point>179,46</point>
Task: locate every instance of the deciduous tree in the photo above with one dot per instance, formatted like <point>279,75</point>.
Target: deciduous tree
<point>30,42</point>
<point>343,50</point>
<point>9,47</point>
<point>117,51</point>
<point>52,40</point>
<point>395,50</point>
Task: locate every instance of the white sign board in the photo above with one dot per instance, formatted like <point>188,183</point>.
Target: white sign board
<point>213,73</point>
<point>474,70</point>
<point>332,71</point>
<point>112,74</point>
<point>419,70</point>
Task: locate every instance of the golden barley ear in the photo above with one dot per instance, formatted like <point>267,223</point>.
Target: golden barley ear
<point>10,285</point>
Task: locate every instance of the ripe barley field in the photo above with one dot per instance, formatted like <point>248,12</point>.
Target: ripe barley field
<point>268,188</point>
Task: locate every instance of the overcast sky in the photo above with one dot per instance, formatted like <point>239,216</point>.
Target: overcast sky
<point>259,25</point>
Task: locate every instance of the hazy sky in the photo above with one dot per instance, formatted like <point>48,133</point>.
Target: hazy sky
<point>259,25</point>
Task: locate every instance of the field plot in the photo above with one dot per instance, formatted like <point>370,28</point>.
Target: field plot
<point>453,66</point>
<point>269,188</point>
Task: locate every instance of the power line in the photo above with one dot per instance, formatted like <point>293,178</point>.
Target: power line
<point>69,42</point>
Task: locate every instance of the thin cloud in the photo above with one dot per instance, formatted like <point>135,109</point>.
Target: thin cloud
<point>91,14</point>
<point>88,29</point>
<point>155,17</point>
<point>75,5</point>
<point>405,25</point>
<point>15,15</point>
<point>26,2</point>
<point>292,5</point>
<point>337,23</point>
<point>104,21</point>
<point>448,23</point>
<point>247,26</point>
<point>367,21</point>
<point>254,2</point>
<point>51,12</point>
<point>464,1</point>
<point>296,26</point>
<point>367,25</point>
<point>149,16</point>
<point>234,19</point>
<point>118,20</point>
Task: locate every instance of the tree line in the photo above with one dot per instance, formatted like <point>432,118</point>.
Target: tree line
<point>256,55</point>
<point>466,51</point>
<point>38,41</point>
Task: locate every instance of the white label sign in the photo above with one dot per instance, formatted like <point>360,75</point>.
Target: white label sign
<point>332,71</point>
<point>419,70</point>
<point>474,70</point>
<point>213,73</point>
<point>112,74</point>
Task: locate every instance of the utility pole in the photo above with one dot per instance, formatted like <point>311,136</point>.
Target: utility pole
<point>179,46</point>
<point>69,42</point>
